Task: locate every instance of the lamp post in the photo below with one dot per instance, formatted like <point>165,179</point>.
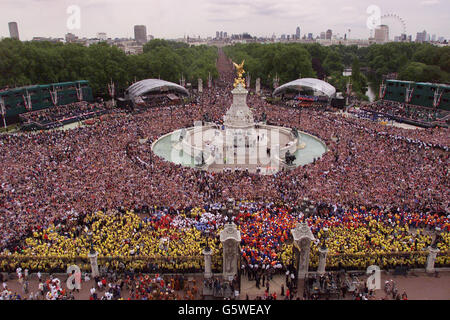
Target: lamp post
<point>207,234</point>
<point>324,238</point>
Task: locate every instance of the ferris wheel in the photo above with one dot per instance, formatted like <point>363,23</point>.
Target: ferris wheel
<point>396,24</point>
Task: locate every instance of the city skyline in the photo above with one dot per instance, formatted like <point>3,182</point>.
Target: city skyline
<point>174,19</point>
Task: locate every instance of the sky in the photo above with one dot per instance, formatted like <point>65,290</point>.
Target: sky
<point>172,19</point>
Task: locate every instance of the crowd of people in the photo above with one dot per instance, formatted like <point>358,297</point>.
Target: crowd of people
<point>380,180</point>
<point>172,241</point>
<point>54,116</point>
<point>407,111</point>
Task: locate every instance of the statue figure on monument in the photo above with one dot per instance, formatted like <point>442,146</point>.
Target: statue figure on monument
<point>240,73</point>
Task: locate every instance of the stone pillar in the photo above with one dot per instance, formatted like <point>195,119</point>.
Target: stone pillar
<point>258,86</point>
<point>230,238</point>
<point>208,267</point>
<point>432,254</point>
<point>323,252</point>
<point>94,265</point>
<point>200,85</point>
<point>302,241</point>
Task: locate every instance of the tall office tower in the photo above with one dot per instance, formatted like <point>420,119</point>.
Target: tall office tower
<point>421,36</point>
<point>297,33</point>
<point>221,34</point>
<point>329,34</point>
<point>323,35</point>
<point>225,35</point>
<point>13,30</point>
<point>310,36</point>
<point>382,33</point>
<point>217,34</point>
<point>140,34</point>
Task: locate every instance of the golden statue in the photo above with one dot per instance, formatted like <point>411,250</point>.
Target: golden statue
<point>240,72</point>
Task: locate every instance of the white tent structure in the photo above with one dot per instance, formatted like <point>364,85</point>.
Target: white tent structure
<point>308,83</point>
<point>152,86</point>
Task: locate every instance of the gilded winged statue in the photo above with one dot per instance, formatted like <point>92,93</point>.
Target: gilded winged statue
<point>240,72</point>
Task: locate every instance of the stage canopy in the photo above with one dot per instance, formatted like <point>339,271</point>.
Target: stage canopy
<point>153,86</point>
<point>308,83</point>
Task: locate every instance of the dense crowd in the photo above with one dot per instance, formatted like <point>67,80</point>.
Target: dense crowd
<point>53,177</point>
<point>78,110</point>
<point>406,111</point>
<point>172,241</point>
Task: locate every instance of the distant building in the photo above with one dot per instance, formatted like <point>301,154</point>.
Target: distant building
<point>323,35</point>
<point>70,37</point>
<point>297,33</point>
<point>217,34</point>
<point>329,34</point>
<point>140,34</point>
<point>102,36</point>
<point>310,36</point>
<point>421,36</point>
<point>225,35</point>
<point>382,33</point>
<point>13,30</point>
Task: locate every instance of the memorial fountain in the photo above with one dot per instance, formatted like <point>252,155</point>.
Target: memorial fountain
<point>240,143</point>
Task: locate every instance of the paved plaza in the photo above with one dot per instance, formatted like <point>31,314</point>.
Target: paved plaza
<point>418,286</point>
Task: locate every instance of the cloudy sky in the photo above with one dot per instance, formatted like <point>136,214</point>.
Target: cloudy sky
<point>176,18</point>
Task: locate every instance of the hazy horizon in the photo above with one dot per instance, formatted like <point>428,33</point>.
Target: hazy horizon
<point>174,19</point>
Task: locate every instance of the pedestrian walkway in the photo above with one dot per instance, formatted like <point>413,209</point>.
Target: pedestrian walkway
<point>249,287</point>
